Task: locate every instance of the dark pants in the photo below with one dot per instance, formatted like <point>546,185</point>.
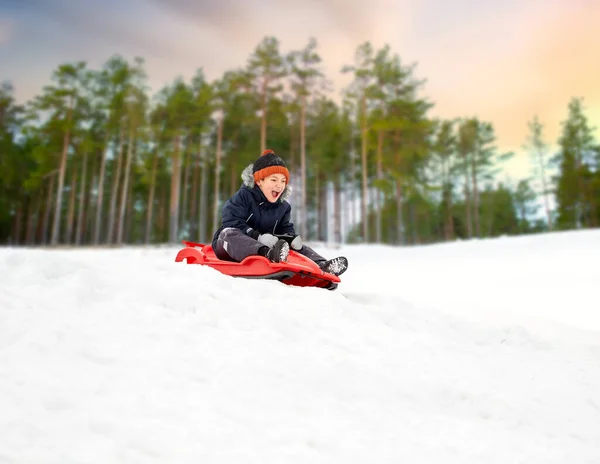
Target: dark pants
<point>234,245</point>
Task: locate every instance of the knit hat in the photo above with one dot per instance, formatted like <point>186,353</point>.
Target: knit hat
<point>267,164</point>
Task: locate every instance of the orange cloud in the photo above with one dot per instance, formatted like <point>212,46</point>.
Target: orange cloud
<point>532,64</point>
<point>563,58</point>
<point>502,61</point>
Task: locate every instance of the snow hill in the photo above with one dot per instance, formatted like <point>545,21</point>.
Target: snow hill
<point>472,352</point>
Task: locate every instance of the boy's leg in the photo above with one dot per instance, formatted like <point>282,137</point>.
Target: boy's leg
<point>310,254</point>
<point>233,244</point>
<point>335,266</point>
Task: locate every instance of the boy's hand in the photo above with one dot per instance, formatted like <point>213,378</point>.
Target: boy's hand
<point>294,240</point>
<point>296,243</point>
<point>268,239</point>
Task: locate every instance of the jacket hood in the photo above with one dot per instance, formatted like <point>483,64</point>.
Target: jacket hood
<point>248,180</point>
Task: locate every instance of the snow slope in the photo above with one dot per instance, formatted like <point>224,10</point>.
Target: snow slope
<point>474,352</point>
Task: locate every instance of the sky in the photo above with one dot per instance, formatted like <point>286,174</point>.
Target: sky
<point>502,60</point>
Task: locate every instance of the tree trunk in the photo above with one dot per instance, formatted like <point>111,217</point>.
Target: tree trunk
<point>233,176</point>
<point>352,207</point>
<point>365,226</point>
<point>523,214</point>
<point>399,196</point>
<point>150,206</point>
<point>216,215</point>
<point>292,167</point>
<point>412,220</point>
<point>545,189</point>
<point>203,210</point>
<point>100,198</point>
<point>32,219</point>
<point>447,199</point>
<point>449,223</point>
<point>581,192</point>
<point>125,187</point>
<point>318,221</point>
<point>593,209</point>
<point>89,212</point>
<point>116,178</point>
<point>194,193</point>
<point>175,188</point>
<point>17,224</point>
<point>263,117</point>
<point>379,205</point>
<point>71,210</point>
<point>588,197</point>
<point>429,230</point>
<point>337,211</point>
<point>130,218</point>
<point>491,206</point>
<point>186,182</point>
<point>303,216</point>
<point>399,213</point>
<point>82,196</point>
<point>163,201</point>
<point>61,178</point>
<point>324,213</point>
<point>48,209</point>
<point>475,194</point>
<point>468,200</point>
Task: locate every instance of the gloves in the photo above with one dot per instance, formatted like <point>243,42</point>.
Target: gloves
<point>295,241</point>
<point>268,239</point>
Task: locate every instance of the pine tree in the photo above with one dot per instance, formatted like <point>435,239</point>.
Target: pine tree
<point>526,206</point>
<point>95,158</point>
<point>13,162</point>
<point>306,77</point>
<point>576,158</point>
<point>362,70</point>
<point>444,149</point>
<point>538,148</point>
<point>266,67</point>
<point>64,100</point>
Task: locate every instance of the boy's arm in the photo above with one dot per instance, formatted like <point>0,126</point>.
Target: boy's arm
<point>288,231</point>
<point>236,211</point>
<point>287,227</point>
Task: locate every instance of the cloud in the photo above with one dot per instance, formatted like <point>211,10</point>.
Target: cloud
<point>503,61</point>
<point>182,35</point>
<point>235,27</point>
<point>96,22</point>
<point>7,28</point>
<point>238,18</point>
<point>506,66</point>
<point>560,61</point>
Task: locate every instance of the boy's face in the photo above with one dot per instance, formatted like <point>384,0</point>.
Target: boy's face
<point>272,186</point>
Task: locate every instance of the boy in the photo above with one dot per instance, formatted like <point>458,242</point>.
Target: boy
<point>258,213</point>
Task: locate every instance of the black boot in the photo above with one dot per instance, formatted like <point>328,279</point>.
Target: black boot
<point>335,266</point>
<point>278,253</point>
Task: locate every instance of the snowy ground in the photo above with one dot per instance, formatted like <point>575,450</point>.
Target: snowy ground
<point>474,352</point>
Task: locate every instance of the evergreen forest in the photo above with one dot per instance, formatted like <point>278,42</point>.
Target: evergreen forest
<point>97,159</point>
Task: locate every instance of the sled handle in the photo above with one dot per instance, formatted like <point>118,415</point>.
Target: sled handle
<point>193,256</point>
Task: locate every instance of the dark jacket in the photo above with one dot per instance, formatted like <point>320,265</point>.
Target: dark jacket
<point>249,210</point>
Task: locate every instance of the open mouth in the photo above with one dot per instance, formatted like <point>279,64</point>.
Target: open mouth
<point>275,194</point>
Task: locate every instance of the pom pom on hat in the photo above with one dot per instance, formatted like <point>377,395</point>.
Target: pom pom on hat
<point>269,163</point>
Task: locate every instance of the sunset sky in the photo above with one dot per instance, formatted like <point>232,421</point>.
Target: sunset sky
<point>502,61</point>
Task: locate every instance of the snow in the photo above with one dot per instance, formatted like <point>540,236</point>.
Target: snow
<point>483,351</point>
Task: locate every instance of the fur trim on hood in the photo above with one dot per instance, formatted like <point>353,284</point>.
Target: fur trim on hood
<point>248,179</point>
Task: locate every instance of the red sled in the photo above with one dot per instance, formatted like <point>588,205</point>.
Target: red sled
<point>298,270</point>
